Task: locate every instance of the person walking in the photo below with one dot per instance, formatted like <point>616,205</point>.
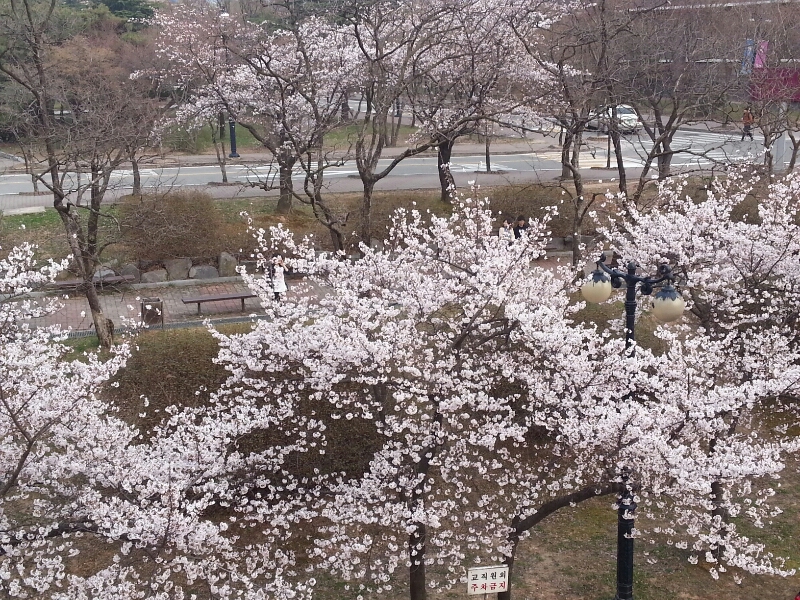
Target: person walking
<point>747,121</point>
<point>277,270</point>
<point>507,231</point>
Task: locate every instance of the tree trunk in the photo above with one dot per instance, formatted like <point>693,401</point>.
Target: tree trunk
<point>520,526</point>
<point>366,212</point>
<point>416,572</point>
<point>446,180</point>
<point>336,239</point>
<point>623,179</point>
<point>719,511</point>
<point>579,203</point>
<point>137,177</point>
<point>29,169</point>
<point>566,154</point>
<point>768,162</point>
<point>576,239</point>
<point>509,560</point>
<point>79,247</point>
<point>103,326</point>
<point>665,160</point>
<point>795,149</point>
<point>285,167</point>
<point>218,139</point>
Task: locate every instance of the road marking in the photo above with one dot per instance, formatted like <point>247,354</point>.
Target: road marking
<point>587,161</point>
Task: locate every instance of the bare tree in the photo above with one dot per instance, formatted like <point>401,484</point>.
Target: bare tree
<point>575,47</point>
<point>677,66</point>
<point>92,130</point>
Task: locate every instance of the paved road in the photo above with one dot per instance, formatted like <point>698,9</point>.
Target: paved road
<point>542,162</point>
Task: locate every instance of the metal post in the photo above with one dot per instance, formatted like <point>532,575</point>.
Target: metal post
<point>627,507</point>
<point>630,304</point>
<point>625,523</point>
<point>232,127</point>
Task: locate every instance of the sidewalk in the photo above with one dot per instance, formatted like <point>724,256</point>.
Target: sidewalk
<point>122,304</point>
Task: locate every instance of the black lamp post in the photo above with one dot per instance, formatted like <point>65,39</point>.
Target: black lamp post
<point>232,128</point>
<point>668,305</point>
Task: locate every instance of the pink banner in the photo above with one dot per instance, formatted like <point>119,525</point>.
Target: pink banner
<point>761,55</point>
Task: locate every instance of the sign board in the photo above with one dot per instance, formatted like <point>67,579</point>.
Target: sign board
<point>487,580</point>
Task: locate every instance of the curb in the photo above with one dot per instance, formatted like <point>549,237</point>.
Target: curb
<point>83,333</point>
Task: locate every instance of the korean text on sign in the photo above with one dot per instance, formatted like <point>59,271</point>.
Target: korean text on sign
<point>487,580</point>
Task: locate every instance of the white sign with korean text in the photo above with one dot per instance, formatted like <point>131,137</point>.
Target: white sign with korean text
<point>487,580</point>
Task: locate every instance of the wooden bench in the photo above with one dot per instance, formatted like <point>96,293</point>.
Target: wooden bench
<point>217,298</point>
<point>100,282</point>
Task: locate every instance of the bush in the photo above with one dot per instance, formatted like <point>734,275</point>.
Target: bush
<point>184,223</point>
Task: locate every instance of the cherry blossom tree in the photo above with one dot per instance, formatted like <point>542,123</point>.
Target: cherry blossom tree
<point>48,406</point>
<point>456,64</point>
<point>418,340</point>
<point>163,513</point>
<point>299,79</point>
<point>489,407</point>
<point>286,87</point>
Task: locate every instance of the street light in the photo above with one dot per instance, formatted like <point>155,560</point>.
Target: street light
<point>668,305</point>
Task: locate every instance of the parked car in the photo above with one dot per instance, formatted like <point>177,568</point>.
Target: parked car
<point>627,120</point>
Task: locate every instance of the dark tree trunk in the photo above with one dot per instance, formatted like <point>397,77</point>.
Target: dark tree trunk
<point>795,149</point>
<point>336,239</point>
<point>520,526</point>
<point>366,212</point>
<point>577,231</point>
<point>446,181</point>
<point>623,178</point>
<point>29,168</point>
<point>103,326</point>
<point>509,560</point>
<point>416,572</point>
<point>81,250</point>
<point>567,155</point>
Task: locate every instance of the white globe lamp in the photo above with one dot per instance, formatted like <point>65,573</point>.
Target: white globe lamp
<point>597,288</point>
<point>668,304</point>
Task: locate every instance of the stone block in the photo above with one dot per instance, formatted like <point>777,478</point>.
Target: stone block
<point>227,265</point>
<point>178,268</point>
<point>203,272</point>
<point>102,272</point>
<point>130,270</point>
<point>156,276</point>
